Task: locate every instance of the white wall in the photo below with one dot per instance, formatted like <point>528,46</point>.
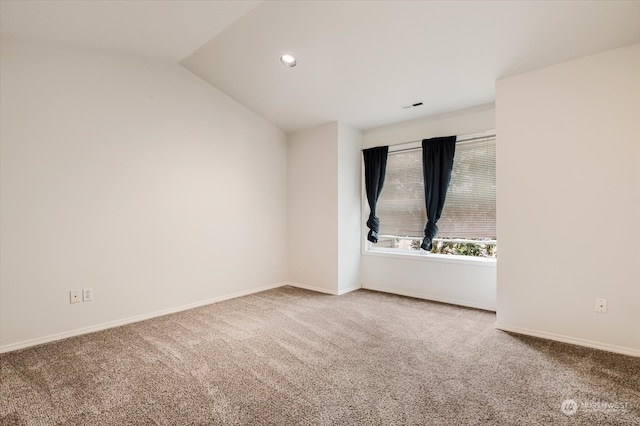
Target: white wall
<point>324,208</point>
<point>569,201</point>
<point>462,122</point>
<point>134,178</point>
<point>469,282</point>
<point>313,209</point>
<point>464,283</point>
<point>349,218</point>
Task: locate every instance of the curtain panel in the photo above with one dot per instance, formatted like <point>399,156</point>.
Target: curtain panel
<point>437,163</point>
<point>375,165</point>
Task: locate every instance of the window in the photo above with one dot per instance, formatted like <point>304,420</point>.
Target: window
<point>468,222</point>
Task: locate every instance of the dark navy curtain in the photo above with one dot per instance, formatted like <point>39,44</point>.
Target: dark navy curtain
<point>375,166</point>
<point>437,162</point>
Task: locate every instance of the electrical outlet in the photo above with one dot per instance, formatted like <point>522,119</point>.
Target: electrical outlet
<point>87,294</point>
<point>601,306</point>
<point>75,296</point>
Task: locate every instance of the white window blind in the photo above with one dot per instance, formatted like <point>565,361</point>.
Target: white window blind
<point>470,207</point>
<point>401,206</point>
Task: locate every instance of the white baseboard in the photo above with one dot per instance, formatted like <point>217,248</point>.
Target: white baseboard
<point>484,307</point>
<point>324,290</point>
<point>129,320</point>
<point>312,288</point>
<point>349,289</point>
<point>572,340</point>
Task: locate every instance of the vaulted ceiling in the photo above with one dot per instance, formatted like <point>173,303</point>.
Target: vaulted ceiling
<point>360,62</point>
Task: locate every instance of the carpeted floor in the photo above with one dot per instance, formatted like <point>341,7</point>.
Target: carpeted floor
<point>294,357</point>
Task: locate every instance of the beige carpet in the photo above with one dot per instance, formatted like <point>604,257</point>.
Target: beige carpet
<point>294,357</point>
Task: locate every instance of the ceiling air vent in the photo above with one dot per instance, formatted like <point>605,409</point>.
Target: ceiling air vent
<point>417,104</point>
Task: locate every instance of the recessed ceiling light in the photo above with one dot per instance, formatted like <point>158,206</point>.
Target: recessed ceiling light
<point>288,60</point>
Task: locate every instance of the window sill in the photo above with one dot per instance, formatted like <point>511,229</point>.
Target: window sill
<point>421,256</point>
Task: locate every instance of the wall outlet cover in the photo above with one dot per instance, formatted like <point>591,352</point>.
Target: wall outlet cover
<point>87,294</point>
<point>75,296</point>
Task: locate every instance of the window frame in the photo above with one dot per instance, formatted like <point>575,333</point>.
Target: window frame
<point>368,249</point>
